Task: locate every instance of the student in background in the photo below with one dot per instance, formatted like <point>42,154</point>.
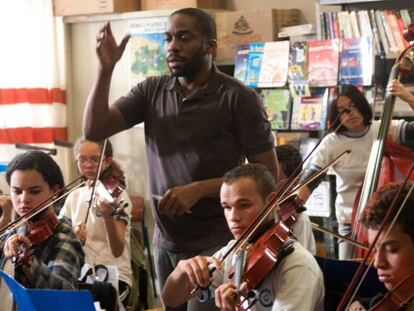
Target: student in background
<point>357,134</point>
<point>106,235</point>
<point>289,159</point>
<point>6,210</point>
<point>295,283</point>
<point>55,262</point>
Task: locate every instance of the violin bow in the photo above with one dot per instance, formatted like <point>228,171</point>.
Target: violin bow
<point>354,285</point>
<point>39,208</point>
<point>403,64</point>
<point>95,180</point>
<point>281,197</point>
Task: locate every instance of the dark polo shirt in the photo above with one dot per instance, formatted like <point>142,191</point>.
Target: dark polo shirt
<point>193,138</point>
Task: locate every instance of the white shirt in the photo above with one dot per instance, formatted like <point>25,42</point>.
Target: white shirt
<point>97,248</point>
<point>296,284</point>
<point>302,230</point>
<point>350,171</point>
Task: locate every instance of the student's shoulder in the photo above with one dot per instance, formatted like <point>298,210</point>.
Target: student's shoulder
<point>301,257</point>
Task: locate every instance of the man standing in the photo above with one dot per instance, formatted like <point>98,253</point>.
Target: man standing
<point>199,123</point>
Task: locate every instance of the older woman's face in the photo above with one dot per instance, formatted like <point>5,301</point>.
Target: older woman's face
<point>350,116</point>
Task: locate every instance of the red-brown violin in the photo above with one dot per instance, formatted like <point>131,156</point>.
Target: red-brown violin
<point>397,298</point>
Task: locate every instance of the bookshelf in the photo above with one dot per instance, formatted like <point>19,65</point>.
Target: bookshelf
<point>386,48</point>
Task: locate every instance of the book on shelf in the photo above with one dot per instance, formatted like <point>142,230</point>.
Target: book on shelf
<point>277,103</point>
<point>379,45</point>
<point>274,65</point>
<point>298,30</point>
<point>240,64</point>
<point>356,61</point>
<point>297,62</point>
<point>385,26</point>
<point>309,113</point>
<point>254,62</point>
<point>323,58</point>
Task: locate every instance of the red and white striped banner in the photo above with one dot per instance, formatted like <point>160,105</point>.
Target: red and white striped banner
<point>32,115</point>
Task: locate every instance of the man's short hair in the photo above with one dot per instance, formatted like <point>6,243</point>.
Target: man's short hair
<point>258,172</point>
<point>381,201</point>
<point>203,21</point>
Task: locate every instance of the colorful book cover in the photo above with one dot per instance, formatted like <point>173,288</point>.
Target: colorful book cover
<point>146,48</point>
<point>309,113</point>
<point>297,62</point>
<point>277,103</point>
<point>323,58</point>
<point>356,61</point>
<point>274,66</point>
<point>240,66</point>
<point>254,62</point>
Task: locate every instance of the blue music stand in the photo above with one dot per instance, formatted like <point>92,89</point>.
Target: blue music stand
<point>45,299</point>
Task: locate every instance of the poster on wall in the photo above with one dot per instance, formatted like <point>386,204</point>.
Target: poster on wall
<point>147,57</point>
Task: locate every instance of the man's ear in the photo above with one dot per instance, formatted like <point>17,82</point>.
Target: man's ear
<point>212,47</point>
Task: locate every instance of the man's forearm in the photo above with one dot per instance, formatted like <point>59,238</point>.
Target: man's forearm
<point>96,109</point>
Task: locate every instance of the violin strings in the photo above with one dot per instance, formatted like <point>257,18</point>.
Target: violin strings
<point>98,172</point>
<point>28,214</point>
<point>21,220</point>
<point>374,162</point>
<point>409,192</point>
<point>358,273</point>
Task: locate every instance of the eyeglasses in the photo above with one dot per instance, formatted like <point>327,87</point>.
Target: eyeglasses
<point>84,160</point>
<point>346,109</point>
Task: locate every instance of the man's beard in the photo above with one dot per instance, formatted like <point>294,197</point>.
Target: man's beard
<point>191,68</point>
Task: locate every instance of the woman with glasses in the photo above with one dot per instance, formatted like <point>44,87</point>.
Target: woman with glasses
<point>357,133</point>
<point>105,229</point>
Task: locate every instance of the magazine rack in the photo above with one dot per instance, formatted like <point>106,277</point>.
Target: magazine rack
<point>43,299</point>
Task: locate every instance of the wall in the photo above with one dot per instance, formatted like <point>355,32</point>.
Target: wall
<point>307,7</point>
<point>128,145</point>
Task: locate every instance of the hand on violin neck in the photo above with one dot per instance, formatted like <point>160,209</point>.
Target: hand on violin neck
<point>7,208</point>
<point>197,270</point>
<point>105,208</point>
<point>227,296</point>
<point>16,245</point>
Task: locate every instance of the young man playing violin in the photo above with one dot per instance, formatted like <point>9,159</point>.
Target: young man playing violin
<point>295,283</point>
<point>105,234</point>
<point>53,258</point>
<point>393,252</point>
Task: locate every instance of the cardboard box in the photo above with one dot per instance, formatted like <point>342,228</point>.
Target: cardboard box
<point>242,27</point>
<point>178,4</point>
<point>88,7</point>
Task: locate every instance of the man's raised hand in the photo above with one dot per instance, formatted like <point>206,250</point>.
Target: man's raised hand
<point>109,52</point>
